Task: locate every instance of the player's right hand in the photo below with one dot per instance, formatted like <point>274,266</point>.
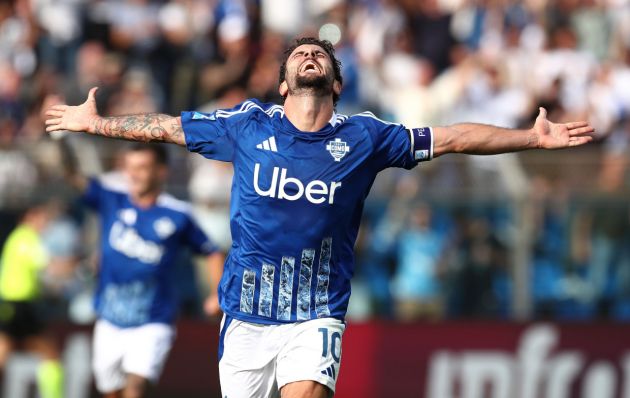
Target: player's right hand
<point>211,306</point>
<point>72,118</point>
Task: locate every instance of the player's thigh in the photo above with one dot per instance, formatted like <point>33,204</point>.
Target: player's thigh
<point>108,346</point>
<point>312,353</point>
<point>148,347</point>
<point>247,354</point>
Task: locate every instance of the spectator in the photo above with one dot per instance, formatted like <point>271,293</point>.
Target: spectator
<point>416,282</point>
<point>22,324</point>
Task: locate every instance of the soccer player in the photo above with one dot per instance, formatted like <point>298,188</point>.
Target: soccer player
<point>301,175</point>
<point>142,232</point>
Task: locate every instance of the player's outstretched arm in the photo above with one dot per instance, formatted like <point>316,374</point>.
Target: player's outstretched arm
<point>481,139</point>
<point>144,127</point>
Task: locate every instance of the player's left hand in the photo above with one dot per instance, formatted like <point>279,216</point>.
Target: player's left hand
<point>561,135</point>
<point>211,306</point>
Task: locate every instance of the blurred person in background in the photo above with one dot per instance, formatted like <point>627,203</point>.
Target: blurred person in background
<point>602,230</point>
<point>331,161</point>
<point>478,258</point>
<point>416,285</point>
<point>143,231</point>
<point>551,212</point>
<point>18,174</point>
<point>233,59</point>
<point>22,324</point>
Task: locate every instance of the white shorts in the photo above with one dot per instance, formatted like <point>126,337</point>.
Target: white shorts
<point>119,351</point>
<point>255,360</point>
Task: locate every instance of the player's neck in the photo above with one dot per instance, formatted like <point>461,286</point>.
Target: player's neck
<point>308,113</point>
<point>145,200</point>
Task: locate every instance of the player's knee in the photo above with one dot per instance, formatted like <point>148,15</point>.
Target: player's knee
<point>135,387</point>
<point>305,389</point>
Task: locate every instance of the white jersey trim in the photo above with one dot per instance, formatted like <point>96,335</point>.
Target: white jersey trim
<point>170,202</point>
<point>248,106</point>
<point>113,181</point>
<point>336,119</point>
<point>372,116</point>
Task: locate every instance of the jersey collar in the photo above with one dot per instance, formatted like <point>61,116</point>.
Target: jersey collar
<point>327,130</point>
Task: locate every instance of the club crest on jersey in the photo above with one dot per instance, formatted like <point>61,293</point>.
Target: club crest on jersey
<point>337,149</point>
<point>128,216</point>
<point>164,227</point>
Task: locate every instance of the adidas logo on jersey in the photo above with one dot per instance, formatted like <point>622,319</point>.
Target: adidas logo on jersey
<point>268,145</point>
<point>315,191</point>
<point>330,372</point>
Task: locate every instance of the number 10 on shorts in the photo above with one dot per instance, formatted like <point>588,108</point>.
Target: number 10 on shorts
<point>331,342</point>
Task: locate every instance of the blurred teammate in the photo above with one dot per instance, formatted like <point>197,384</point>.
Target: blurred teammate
<point>301,175</point>
<point>142,232</point>
<point>24,257</point>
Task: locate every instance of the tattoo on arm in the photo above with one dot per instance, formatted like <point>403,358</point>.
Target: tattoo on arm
<point>145,127</point>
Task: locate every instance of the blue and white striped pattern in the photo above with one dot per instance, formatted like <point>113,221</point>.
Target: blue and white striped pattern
<point>285,293</point>
<point>304,285</point>
<point>266,291</point>
<point>247,291</point>
<point>323,278</point>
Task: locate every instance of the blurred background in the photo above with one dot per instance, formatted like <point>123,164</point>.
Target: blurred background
<point>499,244</point>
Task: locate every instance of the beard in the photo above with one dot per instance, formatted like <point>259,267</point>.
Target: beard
<point>319,85</point>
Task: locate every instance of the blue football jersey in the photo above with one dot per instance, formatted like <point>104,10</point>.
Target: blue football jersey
<point>297,199</point>
<point>139,252</point>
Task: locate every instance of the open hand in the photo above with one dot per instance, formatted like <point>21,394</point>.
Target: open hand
<point>561,135</point>
<point>72,118</point>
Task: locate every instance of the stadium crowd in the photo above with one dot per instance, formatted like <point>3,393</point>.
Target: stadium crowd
<point>448,239</point>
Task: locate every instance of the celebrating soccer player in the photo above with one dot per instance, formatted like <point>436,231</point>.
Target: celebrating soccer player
<point>301,176</point>
<point>142,232</point>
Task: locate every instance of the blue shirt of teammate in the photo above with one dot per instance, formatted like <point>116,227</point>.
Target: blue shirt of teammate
<point>139,254</point>
<point>297,200</point>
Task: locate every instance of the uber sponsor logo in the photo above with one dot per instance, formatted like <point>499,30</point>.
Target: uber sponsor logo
<point>315,191</point>
<point>127,241</point>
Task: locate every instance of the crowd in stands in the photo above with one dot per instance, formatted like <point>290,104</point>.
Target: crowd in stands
<point>454,238</point>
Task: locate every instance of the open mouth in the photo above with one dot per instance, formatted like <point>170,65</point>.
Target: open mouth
<point>310,67</point>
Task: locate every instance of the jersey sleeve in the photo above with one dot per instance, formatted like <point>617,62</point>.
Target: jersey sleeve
<point>213,134</point>
<point>94,193</point>
<point>197,240</point>
<point>399,146</point>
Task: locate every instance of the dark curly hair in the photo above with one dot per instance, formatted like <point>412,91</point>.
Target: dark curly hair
<point>326,46</point>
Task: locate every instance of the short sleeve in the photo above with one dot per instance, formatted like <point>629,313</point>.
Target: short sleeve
<point>212,134</point>
<point>197,240</point>
<point>398,146</point>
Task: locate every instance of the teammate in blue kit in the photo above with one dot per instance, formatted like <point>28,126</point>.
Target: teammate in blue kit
<point>142,232</point>
<point>301,175</point>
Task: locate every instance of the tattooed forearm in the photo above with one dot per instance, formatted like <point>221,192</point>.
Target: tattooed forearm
<point>144,127</point>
